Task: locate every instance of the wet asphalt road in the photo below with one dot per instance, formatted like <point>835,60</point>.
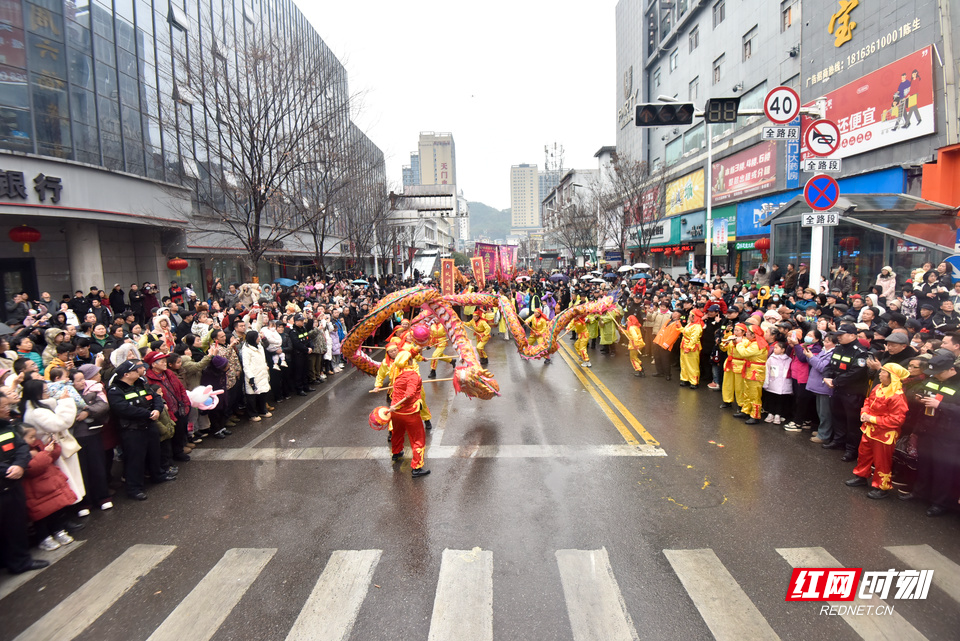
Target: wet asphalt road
<point>542,469</point>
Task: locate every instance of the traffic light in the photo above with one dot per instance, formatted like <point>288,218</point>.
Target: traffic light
<point>721,110</point>
<point>657,114</point>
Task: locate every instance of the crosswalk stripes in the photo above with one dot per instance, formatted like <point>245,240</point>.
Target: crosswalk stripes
<point>10,583</point>
<point>869,626</point>
<point>924,557</point>
<point>200,614</point>
<point>595,605</point>
<point>332,607</point>
<point>724,606</point>
<point>74,614</point>
<point>463,606</point>
<point>464,599</point>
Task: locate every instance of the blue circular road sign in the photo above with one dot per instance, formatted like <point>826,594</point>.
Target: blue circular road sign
<point>821,192</point>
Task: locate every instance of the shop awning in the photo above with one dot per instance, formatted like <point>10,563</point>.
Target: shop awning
<point>908,218</point>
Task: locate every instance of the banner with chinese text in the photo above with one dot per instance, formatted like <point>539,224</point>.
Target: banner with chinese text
<point>685,194</point>
<point>488,252</point>
<point>446,276</point>
<point>477,262</point>
<point>748,172</point>
<point>508,259</point>
<point>890,105</point>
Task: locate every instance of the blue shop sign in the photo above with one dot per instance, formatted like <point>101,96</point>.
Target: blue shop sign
<point>752,213</point>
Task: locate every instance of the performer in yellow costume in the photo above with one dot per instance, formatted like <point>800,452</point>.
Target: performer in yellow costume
<point>482,331</point>
<point>634,335</point>
<point>583,337</point>
<point>438,338</point>
<point>538,325</point>
<point>751,349</point>
<point>732,388</point>
<point>690,350</point>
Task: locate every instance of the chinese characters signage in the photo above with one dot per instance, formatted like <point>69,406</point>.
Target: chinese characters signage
<point>829,218</point>
<point>685,194</point>
<point>840,584</point>
<point>841,25</point>
<point>890,105</point>
<point>13,186</point>
<point>749,171</point>
<point>508,258</point>
<point>446,276</point>
<point>488,252</point>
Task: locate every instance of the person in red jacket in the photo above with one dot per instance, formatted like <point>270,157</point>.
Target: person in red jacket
<point>47,491</point>
<point>405,412</point>
<point>174,396</point>
<point>882,416</point>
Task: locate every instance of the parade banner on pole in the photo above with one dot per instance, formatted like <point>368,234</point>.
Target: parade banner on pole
<point>478,271</point>
<point>508,260</point>
<point>488,252</point>
<point>446,276</point>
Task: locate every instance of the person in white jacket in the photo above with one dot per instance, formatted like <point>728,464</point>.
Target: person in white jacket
<point>256,376</point>
<point>887,280</point>
<point>777,385</point>
<point>53,419</point>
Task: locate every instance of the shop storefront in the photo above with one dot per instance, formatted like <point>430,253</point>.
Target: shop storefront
<point>875,230</point>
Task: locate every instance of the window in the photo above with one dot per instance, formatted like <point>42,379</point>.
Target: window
<point>674,59</point>
<point>178,17</point>
<point>694,38</point>
<point>786,14</point>
<point>694,89</point>
<point>752,99</point>
<point>656,78</point>
<point>673,150</point>
<point>718,69</point>
<point>693,140</point>
<point>719,13</point>
<point>748,39</point>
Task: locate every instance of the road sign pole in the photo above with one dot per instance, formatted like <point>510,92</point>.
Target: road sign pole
<point>708,192</point>
<point>816,257</point>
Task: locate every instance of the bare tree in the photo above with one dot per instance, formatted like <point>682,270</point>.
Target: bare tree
<point>576,222</point>
<point>366,202</point>
<point>250,129</point>
<point>632,196</point>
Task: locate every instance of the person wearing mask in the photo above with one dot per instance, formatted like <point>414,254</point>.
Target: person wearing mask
<point>882,416</point>
<point>174,396</point>
<point>848,375</point>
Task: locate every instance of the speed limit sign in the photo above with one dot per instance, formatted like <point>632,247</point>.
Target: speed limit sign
<point>781,105</point>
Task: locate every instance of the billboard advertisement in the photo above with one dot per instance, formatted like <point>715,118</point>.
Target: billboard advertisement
<point>890,105</point>
<point>685,194</point>
<point>750,171</point>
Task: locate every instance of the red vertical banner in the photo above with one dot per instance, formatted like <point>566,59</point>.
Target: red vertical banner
<point>477,263</point>
<point>487,252</point>
<point>508,256</point>
<point>446,276</point>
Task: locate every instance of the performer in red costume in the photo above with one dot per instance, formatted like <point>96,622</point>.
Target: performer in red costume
<point>405,409</point>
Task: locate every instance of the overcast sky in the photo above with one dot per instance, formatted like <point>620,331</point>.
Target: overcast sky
<point>504,77</point>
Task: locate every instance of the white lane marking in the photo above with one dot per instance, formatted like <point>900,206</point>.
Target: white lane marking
<point>724,606</point>
<point>331,609</point>
<point>10,582</point>
<point>276,426</point>
<point>946,573</point>
<point>74,614</point>
<point>869,626</point>
<point>436,452</point>
<point>594,604</point>
<point>200,613</point>
<point>463,605</point>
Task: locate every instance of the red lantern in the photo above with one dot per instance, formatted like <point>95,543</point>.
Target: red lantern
<point>177,264</point>
<point>849,244</point>
<point>764,246</point>
<point>25,235</point>
<point>667,252</point>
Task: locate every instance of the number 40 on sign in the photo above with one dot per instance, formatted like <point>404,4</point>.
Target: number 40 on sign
<point>829,218</point>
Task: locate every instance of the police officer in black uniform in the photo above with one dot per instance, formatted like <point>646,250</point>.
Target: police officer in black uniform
<point>848,375</point>
<point>14,459</point>
<point>300,339</point>
<point>137,409</point>
<point>938,434</point>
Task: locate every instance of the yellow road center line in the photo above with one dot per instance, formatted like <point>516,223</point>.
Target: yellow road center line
<point>624,431</point>
<point>637,426</point>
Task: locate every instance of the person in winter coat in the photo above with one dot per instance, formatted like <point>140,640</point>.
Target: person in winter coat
<point>805,403</point>
<point>818,367</point>
<point>54,336</point>
<point>256,376</point>
<point>53,420</point>
<point>215,375</point>
<point>887,280</point>
<point>49,496</point>
<point>777,385</point>
<point>883,414</point>
<point>174,397</point>
<point>88,432</point>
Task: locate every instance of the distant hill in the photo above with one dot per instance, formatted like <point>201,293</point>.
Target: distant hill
<point>487,221</point>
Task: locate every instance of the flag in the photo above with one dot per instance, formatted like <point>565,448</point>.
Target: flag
<point>478,271</point>
<point>446,276</point>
